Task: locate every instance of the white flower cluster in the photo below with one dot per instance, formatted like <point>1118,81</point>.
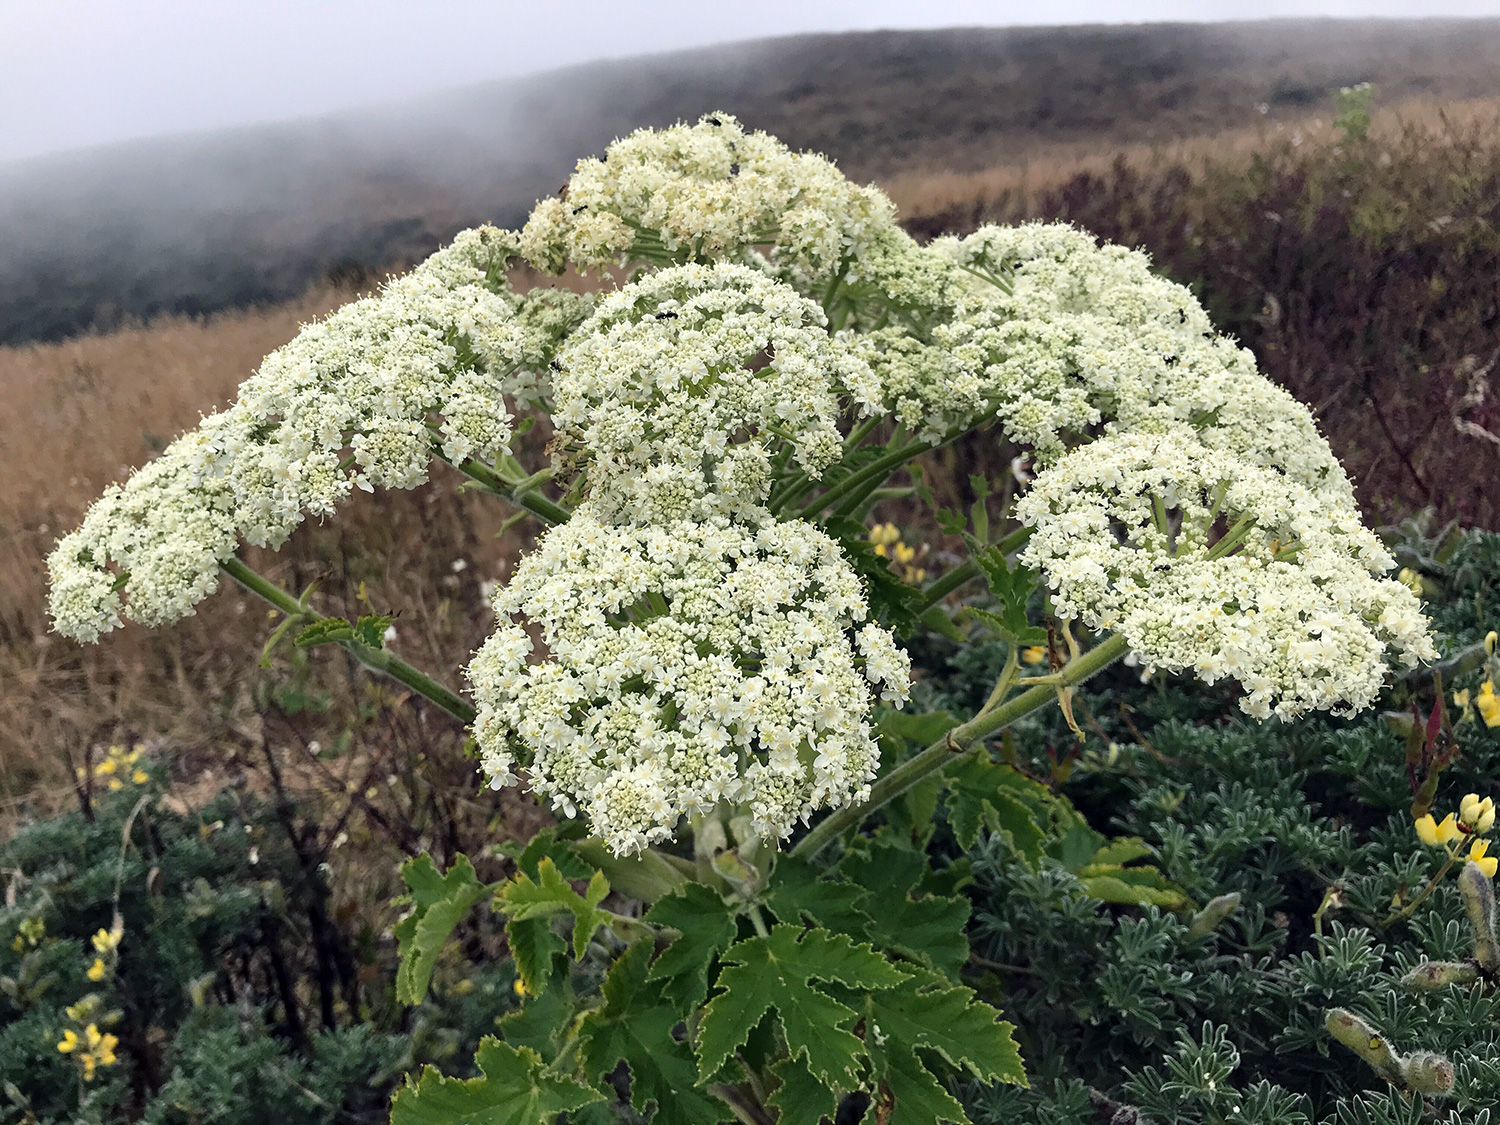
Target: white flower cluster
<point>1056,335</point>
<point>1206,561</point>
<point>676,388</point>
<point>702,192</point>
<point>348,403</point>
<point>686,663</point>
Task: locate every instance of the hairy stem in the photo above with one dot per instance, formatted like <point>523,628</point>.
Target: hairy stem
<point>376,659</point>
<point>957,742</point>
<point>870,477</point>
<point>523,496</point>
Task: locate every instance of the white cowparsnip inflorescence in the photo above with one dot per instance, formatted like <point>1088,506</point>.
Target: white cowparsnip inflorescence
<point>702,192</point>
<point>1206,562</point>
<point>677,390</point>
<point>673,645</point>
<point>684,663</point>
<point>349,403</point>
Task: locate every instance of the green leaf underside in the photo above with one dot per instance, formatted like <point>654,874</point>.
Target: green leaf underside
<point>706,927</point>
<point>776,971</point>
<point>636,1025</point>
<point>440,901</point>
<point>801,1099</point>
<point>515,1090</point>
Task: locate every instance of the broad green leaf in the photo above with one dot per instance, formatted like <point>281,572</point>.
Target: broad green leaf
<point>553,844</point>
<point>927,928</point>
<point>777,971</point>
<point>909,1094</point>
<point>801,1099</point>
<point>1010,626</point>
<point>1122,849</point>
<point>983,795</point>
<point>1012,586</point>
<point>636,1025</point>
<point>706,927</point>
<point>524,898</point>
<point>1132,886</point>
<point>929,1012</point>
<point>533,945</point>
<point>798,892</point>
<point>515,1090</point>
<point>544,1016</point>
<point>439,902</point>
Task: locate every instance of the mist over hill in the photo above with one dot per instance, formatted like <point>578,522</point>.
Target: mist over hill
<point>201,222</point>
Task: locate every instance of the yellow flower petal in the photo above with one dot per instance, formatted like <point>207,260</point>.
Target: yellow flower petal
<point>69,1041</point>
<point>1488,865</point>
<point>1034,655</point>
<point>1477,849</point>
<point>97,969</point>
<point>1426,830</point>
<point>1447,829</point>
<point>140,777</point>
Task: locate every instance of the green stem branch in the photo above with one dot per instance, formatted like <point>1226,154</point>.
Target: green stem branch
<point>376,659</point>
<point>957,742</point>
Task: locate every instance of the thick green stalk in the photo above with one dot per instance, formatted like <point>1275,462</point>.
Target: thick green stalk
<point>956,743</point>
<point>376,659</point>
<point>647,875</point>
<point>870,476</point>
<point>548,511</point>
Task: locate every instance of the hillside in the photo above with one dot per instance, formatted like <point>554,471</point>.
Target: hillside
<point>198,223</point>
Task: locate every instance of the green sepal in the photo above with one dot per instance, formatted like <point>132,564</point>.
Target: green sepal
<point>706,927</point>
<point>439,902</point>
<point>635,1025</point>
<point>515,1090</point>
<point>777,971</point>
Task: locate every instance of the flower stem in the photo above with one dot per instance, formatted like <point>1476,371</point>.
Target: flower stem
<point>376,659</point>
<point>869,477</point>
<point>957,742</point>
<point>523,496</point>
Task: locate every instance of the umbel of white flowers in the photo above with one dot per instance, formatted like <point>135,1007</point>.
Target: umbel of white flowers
<point>674,643</point>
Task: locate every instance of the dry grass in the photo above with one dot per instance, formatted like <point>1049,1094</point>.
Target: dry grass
<point>928,200</point>
<point>82,413</point>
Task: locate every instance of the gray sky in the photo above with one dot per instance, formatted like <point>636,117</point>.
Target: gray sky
<point>75,73</point>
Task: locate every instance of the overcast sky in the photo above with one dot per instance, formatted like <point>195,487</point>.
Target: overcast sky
<point>75,73</point>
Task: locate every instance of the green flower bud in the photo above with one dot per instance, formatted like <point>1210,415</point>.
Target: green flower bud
<point>1479,903</point>
<point>1430,976</point>
<point>1212,916</point>
<point>1354,1033</point>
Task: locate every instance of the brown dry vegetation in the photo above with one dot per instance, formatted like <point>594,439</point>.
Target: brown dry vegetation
<point>80,414</point>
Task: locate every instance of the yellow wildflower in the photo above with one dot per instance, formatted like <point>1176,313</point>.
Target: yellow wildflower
<point>1489,641</point>
<point>97,969</point>
<point>521,989</point>
<point>105,940</point>
<point>1488,704</point>
<point>1411,580</point>
<point>1476,814</point>
<point>140,777</point>
<point>1461,699</point>
<point>108,766</point>
<point>69,1041</point>
<point>1487,863</point>
<point>101,1051</point>
<point>1034,655</point>
<point>1432,833</point>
